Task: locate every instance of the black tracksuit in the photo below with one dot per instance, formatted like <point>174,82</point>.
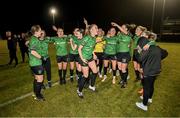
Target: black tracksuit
<point>23,48</point>
<point>11,44</point>
<point>151,64</point>
<point>47,66</point>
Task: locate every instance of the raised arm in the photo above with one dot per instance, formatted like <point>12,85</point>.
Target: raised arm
<point>87,26</point>
<point>119,27</point>
<point>54,28</point>
<point>86,23</point>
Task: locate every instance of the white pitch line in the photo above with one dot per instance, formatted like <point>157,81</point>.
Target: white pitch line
<point>16,99</point>
<point>20,98</point>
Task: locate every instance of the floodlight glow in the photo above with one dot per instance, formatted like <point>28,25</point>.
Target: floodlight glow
<point>53,11</point>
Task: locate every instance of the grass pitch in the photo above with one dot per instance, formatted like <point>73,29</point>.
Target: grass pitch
<point>109,101</point>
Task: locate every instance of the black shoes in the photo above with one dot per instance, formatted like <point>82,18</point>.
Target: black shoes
<point>62,81</point>
<point>124,84</point>
<point>71,79</point>
<point>137,79</point>
<point>49,84</point>
<point>39,98</point>
<point>43,86</point>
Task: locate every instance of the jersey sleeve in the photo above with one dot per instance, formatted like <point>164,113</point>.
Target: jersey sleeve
<point>152,43</point>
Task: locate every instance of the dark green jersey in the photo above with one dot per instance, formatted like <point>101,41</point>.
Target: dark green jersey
<point>110,45</point>
<point>88,44</point>
<point>61,44</point>
<point>79,41</point>
<point>34,44</point>
<point>44,46</point>
<point>123,43</point>
<point>135,41</point>
<point>75,41</point>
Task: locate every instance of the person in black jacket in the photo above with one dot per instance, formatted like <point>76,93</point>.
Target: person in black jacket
<point>151,67</point>
<point>11,44</point>
<point>22,46</point>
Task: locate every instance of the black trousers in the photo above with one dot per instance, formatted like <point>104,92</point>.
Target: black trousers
<point>47,67</point>
<point>23,52</point>
<point>100,57</point>
<point>148,86</point>
<point>12,55</point>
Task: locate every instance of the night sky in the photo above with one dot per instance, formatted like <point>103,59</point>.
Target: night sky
<point>19,16</point>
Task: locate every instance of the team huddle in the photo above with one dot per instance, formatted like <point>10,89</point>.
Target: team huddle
<point>91,52</point>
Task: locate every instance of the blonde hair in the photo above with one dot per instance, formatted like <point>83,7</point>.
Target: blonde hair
<point>35,28</point>
<point>143,29</point>
<point>153,36</point>
<point>146,33</point>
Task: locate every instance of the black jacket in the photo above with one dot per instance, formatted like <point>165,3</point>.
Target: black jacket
<point>11,44</point>
<point>21,42</point>
<point>150,59</point>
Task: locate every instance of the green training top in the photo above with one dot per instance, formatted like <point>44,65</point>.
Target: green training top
<point>75,41</point>
<point>45,46</point>
<point>61,44</point>
<point>88,44</point>
<point>110,45</point>
<point>34,44</point>
<point>79,41</point>
<point>135,41</point>
<point>123,43</point>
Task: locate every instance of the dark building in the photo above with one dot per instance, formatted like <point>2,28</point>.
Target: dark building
<point>170,30</point>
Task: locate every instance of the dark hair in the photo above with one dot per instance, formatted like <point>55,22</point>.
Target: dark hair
<point>130,28</point>
<point>28,35</point>
<point>35,28</point>
<point>43,32</point>
<point>76,29</point>
<point>114,29</point>
<point>81,31</point>
<point>60,29</point>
